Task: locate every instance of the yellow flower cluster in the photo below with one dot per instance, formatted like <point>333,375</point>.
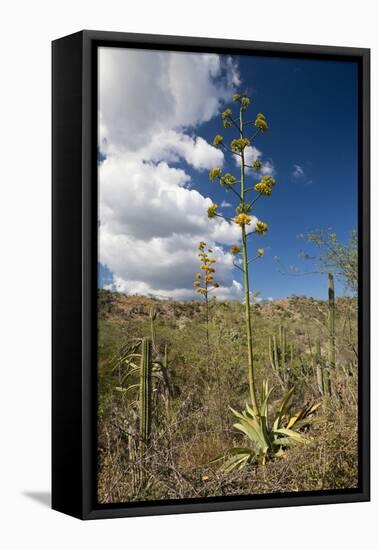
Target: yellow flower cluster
<point>214,173</point>
<point>245,102</point>
<point>206,266</point>
<point>243,208</point>
<point>261,227</point>
<point>227,180</point>
<point>257,165</point>
<point>242,219</point>
<point>265,185</point>
<point>235,249</point>
<point>238,145</point>
<point>212,211</point>
<point>260,122</point>
<point>217,140</point>
<point>260,252</point>
<point>227,113</point>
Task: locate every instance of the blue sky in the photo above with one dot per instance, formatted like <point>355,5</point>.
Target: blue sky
<point>311,109</point>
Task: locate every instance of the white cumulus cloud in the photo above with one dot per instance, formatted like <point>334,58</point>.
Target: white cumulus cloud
<point>252,154</point>
<point>151,221</point>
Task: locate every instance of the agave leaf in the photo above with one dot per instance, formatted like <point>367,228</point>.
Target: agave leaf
<point>230,452</point>
<point>218,458</point>
<point>250,412</point>
<point>302,414</point>
<point>284,408</point>
<point>239,450</point>
<point>292,434</point>
<point>237,414</point>
<point>283,442</point>
<point>266,431</point>
<point>264,390</point>
<point>264,404</point>
<point>236,463</point>
<point>254,432</point>
<point>314,407</point>
<point>294,419</point>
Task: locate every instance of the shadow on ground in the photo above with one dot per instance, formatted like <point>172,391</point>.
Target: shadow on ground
<point>42,497</point>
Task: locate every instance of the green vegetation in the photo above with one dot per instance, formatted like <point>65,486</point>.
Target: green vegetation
<point>335,256</point>
<point>172,374</point>
<point>192,393</point>
<point>268,440</point>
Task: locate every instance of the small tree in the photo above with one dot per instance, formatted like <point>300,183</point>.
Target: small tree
<point>335,256</point>
<point>242,190</point>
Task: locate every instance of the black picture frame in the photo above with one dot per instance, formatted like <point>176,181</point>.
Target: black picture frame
<point>74,273</point>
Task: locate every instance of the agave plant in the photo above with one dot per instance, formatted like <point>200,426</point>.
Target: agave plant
<point>267,438</point>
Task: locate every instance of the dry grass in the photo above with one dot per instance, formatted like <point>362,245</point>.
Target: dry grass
<point>199,426</point>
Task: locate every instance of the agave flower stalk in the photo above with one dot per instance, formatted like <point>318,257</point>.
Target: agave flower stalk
<point>238,148</point>
<point>204,282</point>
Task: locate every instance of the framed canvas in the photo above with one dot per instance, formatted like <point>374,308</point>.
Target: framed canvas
<point>210,275</point>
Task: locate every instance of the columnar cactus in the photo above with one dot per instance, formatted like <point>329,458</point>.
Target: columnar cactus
<point>146,391</point>
<point>281,354</point>
<point>331,322</point>
<point>153,316</point>
<point>239,148</point>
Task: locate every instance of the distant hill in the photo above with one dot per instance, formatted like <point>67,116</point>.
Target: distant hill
<point>115,305</point>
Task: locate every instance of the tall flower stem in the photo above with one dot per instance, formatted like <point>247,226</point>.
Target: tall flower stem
<point>204,284</point>
<point>237,149</point>
<point>207,321</point>
<point>246,285</point>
